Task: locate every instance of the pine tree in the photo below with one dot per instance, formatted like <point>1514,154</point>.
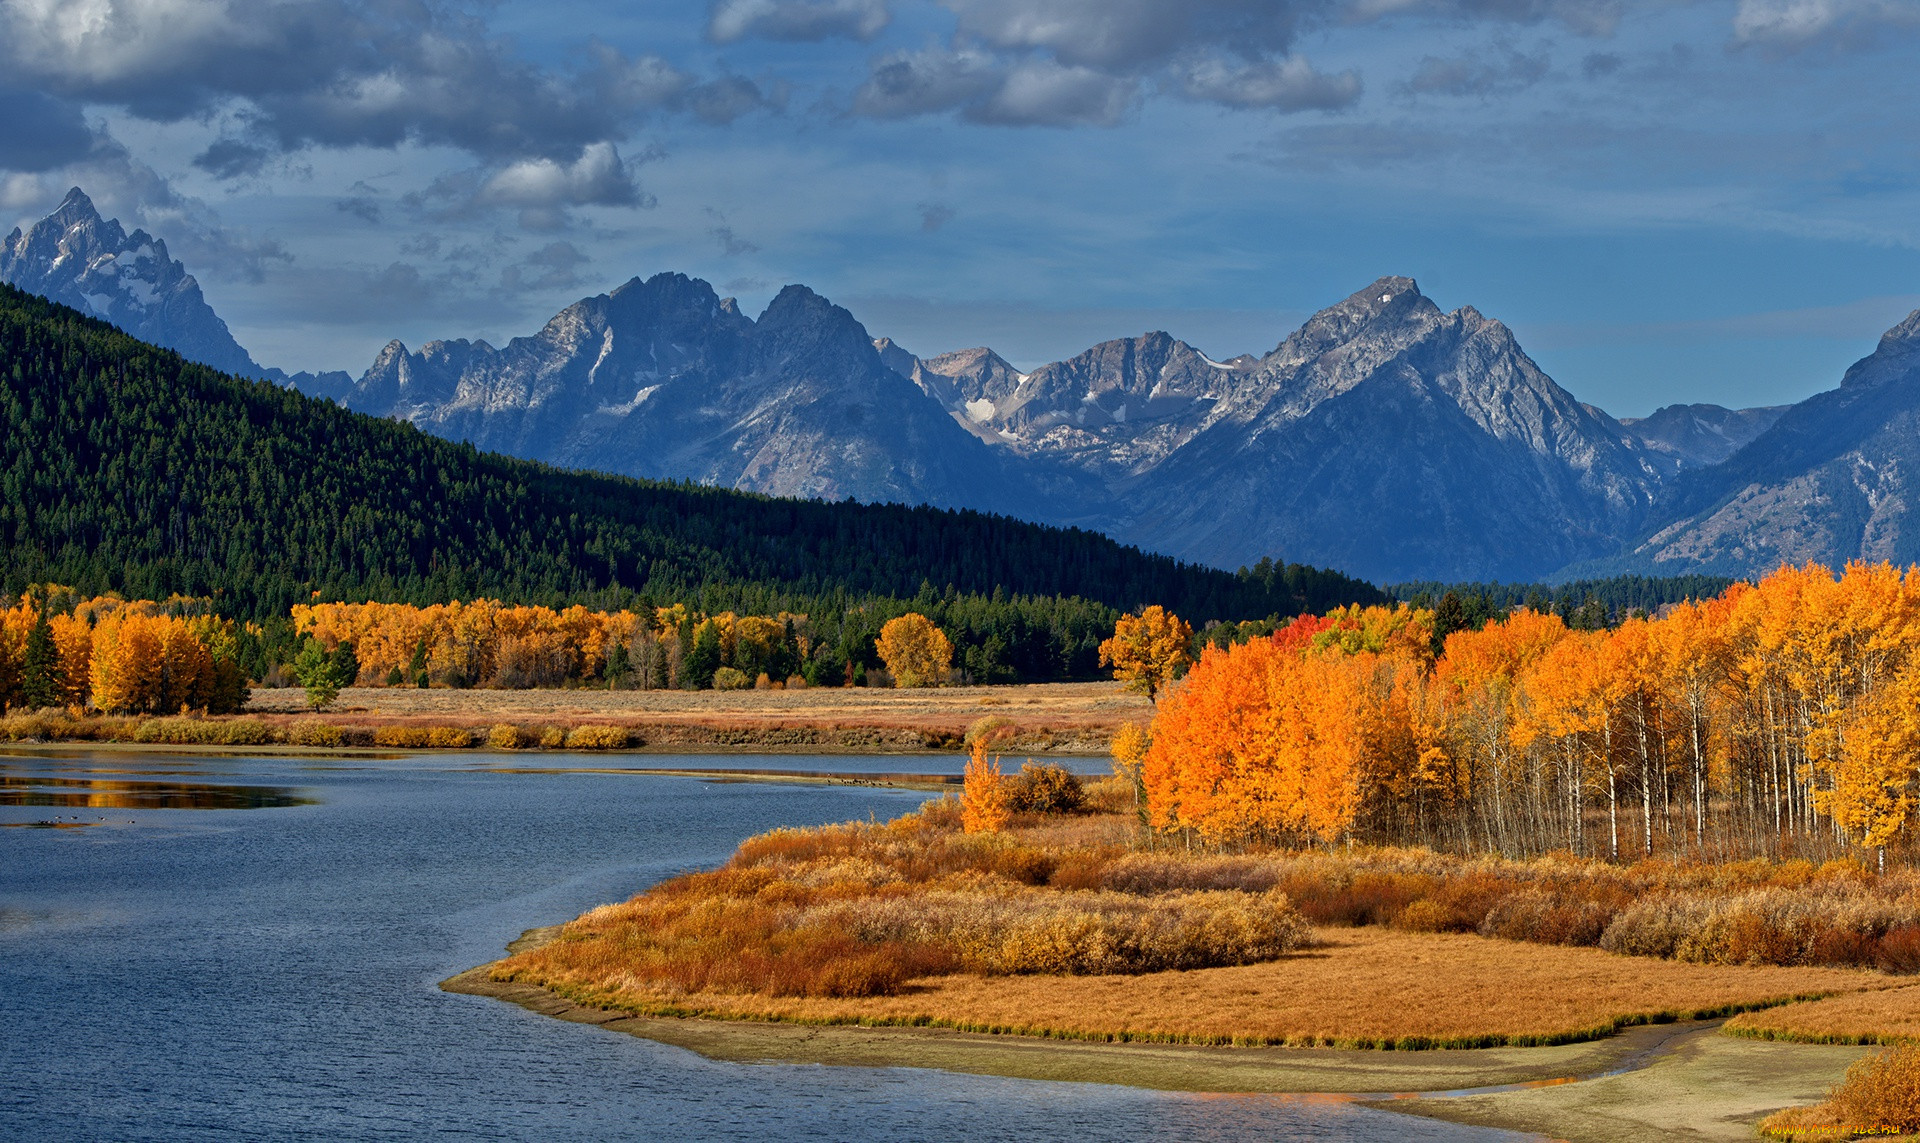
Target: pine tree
<point>41,680</point>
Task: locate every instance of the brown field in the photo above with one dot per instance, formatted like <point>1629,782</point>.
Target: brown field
<point>1059,718</point>
<point>1359,988</point>
<point>1880,1016</point>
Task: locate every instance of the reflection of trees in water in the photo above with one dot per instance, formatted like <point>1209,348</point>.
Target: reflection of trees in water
<point>105,794</point>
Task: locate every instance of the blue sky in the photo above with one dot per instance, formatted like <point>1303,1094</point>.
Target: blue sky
<point>1669,200</point>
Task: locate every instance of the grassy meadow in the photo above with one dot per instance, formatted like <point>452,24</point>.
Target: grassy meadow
<point>1082,925</point>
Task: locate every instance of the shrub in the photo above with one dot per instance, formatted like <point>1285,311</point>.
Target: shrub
<point>1899,950</point>
<point>796,682</point>
<point>597,738</point>
<point>204,732</point>
<point>991,729</point>
<point>503,736</point>
<point>552,737</point>
<point>313,732</point>
<point>1045,789</point>
<point>1881,1093</point>
<point>405,737</point>
<point>25,727</point>
<point>449,737</point>
<point>1543,917</point>
<point>730,679</point>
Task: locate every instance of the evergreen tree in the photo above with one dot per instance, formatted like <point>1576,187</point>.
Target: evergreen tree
<point>315,669</point>
<point>40,675</point>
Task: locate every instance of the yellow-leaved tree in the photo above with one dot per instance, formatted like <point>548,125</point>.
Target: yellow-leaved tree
<point>1148,650</point>
<point>916,652</point>
<point>983,799</point>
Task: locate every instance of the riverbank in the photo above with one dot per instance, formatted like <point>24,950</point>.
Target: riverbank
<point>1648,1080</point>
<point>1070,719</point>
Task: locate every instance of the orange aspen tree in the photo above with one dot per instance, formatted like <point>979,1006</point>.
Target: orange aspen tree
<point>73,639</point>
<point>125,669</point>
<point>983,797</point>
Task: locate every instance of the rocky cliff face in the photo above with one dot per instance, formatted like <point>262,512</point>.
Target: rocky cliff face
<point>1832,480</point>
<point>1400,442</point>
<point>1384,437</point>
<point>76,258</point>
<point>663,378</point>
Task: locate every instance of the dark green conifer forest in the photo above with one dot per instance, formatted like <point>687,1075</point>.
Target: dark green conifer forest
<point>134,471</point>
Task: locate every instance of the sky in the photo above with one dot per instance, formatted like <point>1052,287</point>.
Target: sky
<point>1668,200</point>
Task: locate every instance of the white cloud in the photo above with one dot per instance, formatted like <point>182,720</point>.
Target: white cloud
<point>796,20</point>
<point>1046,93</point>
<point>1791,25</point>
<point>597,178</point>
<point>1288,84</point>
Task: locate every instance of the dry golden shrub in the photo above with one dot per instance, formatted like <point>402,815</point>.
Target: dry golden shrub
<point>449,737</point>
<point>204,732</point>
<point>821,912</point>
<point>405,737</point>
<point>1880,1096</point>
<point>503,736</point>
<point>597,738</point>
<point>552,737</point>
<point>313,732</point>
<point>26,727</point>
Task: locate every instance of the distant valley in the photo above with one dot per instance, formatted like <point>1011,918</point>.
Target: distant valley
<point>1385,437</point>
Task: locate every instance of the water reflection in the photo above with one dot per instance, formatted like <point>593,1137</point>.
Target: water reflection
<point>101,793</point>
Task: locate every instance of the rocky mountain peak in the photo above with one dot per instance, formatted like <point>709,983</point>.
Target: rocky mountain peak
<point>76,210</point>
<point>799,320</point>
<point>76,258</point>
<point>1895,358</point>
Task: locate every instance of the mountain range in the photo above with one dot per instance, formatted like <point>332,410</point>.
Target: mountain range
<point>1385,437</point>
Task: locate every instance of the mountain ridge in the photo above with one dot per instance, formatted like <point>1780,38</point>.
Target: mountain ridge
<point>1384,435</point>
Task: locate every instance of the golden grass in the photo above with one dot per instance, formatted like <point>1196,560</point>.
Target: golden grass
<point>1060,927</point>
<point>1880,1016</point>
<point>1359,988</point>
<point>1056,717</point>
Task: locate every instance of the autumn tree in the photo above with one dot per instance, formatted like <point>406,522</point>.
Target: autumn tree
<point>1129,750</point>
<point>917,653</point>
<point>1148,650</point>
<point>984,794</point>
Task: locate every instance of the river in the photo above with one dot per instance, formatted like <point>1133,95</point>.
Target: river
<point>227,948</point>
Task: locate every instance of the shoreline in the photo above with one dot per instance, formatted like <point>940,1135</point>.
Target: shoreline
<point>1645,1080</point>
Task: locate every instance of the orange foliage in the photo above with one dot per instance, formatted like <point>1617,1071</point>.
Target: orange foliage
<point>1782,716</point>
<point>984,797</point>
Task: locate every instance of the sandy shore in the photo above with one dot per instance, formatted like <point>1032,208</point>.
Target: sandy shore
<point>1671,1081</point>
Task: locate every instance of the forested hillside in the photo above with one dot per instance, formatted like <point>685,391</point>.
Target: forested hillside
<point>132,470</point>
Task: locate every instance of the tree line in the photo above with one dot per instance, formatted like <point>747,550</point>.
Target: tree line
<point>141,657</point>
<point>1775,718</point>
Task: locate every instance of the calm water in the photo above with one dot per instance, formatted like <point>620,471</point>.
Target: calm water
<point>249,948</point>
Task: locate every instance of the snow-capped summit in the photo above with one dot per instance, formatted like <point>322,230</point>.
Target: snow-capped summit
<point>76,258</point>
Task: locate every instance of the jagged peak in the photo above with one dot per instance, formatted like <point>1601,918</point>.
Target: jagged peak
<point>798,305</point>
<point>75,208</point>
<point>1906,331</point>
<point>1394,300</point>
<point>1894,358</point>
